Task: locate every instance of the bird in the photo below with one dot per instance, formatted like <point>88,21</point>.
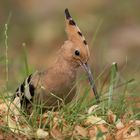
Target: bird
<point>56,85</point>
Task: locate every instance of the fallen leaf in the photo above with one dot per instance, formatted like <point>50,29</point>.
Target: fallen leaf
<point>15,106</point>
<point>92,109</point>
<point>134,138</point>
<point>41,134</point>
<point>81,131</point>
<point>98,138</point>
<point>119,124</point>
<point>92,131</point>
<point>56,133</point>
<point>102,128</point>
<point>111,117</point>
<point>135,132</point>
<point>93,138</point>
<point>3,109</point>
<point>14,118</point>
<point>109,137</point>
<point>1,137</point>
<point>13,124</point>
<point>135,122</point>
<point>129,131</point>
<point>120,133</point>
<point>94,120</point>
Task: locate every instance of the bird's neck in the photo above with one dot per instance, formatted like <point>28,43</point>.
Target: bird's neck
<point>65,65</point>
<point>61,75</point>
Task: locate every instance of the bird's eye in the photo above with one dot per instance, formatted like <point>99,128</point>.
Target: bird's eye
<point>77,52</point>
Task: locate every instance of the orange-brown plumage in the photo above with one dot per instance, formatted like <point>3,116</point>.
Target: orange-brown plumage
<point>56,85</point>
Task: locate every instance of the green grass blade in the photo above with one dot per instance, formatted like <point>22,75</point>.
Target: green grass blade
<point>96,32</point>
<point>25,57</point>
<point>114,70</point>
<point>6,53</point>
<point>2,59</point>
<point>6,48</point>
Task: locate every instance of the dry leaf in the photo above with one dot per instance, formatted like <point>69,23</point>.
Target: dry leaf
<point>119,124</point>
<point>3,109</point>
<point>94,120</point>
<point>17,127</point>
<point>13,115</point>
<point>56,133</point>
<point>102,128</point>
<point>135,122</point>
<point>41,134</point>
<point>1,137</point>
<point>130,130</point>
<point>135,132</point>
<point>111,117</point>
<point>134,138</point>
<point>15,107</point>
<point>14,118</point>
<point>99,138</point>
<point>80,131</point>
<point>1,101</point>
<point>92,109</point>
<point>93,138</point>
<point>109,137</point>
<point>93,131</point>
<point>120,133</point>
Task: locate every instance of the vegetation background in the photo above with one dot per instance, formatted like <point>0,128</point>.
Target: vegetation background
<point>112,29</point>
<point>33,31</point>
<point>36,30</point>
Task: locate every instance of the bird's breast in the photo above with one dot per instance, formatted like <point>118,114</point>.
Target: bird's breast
<point>57,87</point>
<point>60,82</point>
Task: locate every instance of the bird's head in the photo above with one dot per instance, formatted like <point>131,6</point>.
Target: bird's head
<point>75,49</point>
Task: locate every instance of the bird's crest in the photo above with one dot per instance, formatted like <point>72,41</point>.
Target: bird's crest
<point>73,31</point>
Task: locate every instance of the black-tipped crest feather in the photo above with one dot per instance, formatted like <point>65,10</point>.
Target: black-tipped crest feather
<point>67,14</point>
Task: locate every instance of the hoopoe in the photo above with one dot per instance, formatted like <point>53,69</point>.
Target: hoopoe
<point>56,84</point>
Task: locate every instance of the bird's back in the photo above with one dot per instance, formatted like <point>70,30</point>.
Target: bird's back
<point>50,88</point>
<point>57,85</point>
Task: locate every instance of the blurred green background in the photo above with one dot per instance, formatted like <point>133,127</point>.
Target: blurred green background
<point>111,28</point>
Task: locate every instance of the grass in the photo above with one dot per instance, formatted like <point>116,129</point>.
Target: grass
<point>74,114</point>
<point>114,96</point>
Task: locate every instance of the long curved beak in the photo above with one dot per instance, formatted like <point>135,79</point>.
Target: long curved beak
<point>91,81</point>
